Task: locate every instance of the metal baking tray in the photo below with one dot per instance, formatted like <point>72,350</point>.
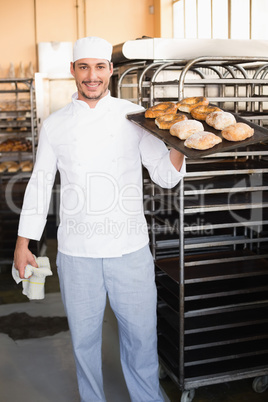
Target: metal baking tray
<point>260,135</point>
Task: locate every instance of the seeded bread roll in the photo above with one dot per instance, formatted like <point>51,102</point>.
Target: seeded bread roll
<point>187,104</point>
<point>183,129</point>
<point>201,112</point>
<point>220,120</point>
<point>237,132</point>
<point>166,121</point>
<point>160,109</point>
<point>202,140</point>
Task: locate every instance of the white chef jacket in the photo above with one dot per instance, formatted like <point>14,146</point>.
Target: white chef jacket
<point>99,154</point>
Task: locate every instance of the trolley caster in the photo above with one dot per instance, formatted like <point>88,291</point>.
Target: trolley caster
<point>187,396</point>
<point>260,384</point>
<point>161,372</point>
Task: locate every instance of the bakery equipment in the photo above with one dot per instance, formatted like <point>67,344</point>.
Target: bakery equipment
<point>164,49</point>
<point>18,121</point>
<point>208,235</point>
<point>18,142</point>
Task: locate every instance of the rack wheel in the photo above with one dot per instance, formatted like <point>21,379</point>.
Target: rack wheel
<point>187,396</point>
<point>161,372</point>
<point>260,384</point>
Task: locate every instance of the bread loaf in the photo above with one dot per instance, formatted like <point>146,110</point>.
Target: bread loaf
<point>237,132</point>
<point>183,129</point>
<point>3,167</point>
<point>202,140</point>
<point>187,104</point>
<point>26,166</point>
<point>160,109</point>
<point>220,120</point>
<point>13,167</point>
<point>12,145</point>
<point>201,112</point>
<point>166,121</point>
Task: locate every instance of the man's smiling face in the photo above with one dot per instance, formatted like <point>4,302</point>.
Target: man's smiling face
<point>92,78</point>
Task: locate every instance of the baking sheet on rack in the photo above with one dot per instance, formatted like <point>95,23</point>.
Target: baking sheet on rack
<point>260,135</point>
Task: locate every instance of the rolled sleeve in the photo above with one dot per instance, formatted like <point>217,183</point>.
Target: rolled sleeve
<point>167,175</point>
<point>156,158</point>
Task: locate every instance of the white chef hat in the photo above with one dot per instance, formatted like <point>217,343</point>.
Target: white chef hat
<point>92,47</point>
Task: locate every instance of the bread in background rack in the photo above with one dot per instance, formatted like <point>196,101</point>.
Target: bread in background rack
<point>21,105</point>
<point>3,167</point>
<point>12,145</point>
<point>26,166</point>
<point>14,167</point>
<point>9,166</point>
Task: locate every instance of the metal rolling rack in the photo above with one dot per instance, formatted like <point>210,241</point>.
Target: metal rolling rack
<point>209,235</point>
<point>18,122</point>
<point>235,84</point>
<point>212,306</point>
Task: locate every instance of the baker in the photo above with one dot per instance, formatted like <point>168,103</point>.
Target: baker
<point>102,237</point>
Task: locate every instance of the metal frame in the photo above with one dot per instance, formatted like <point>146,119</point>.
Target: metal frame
<point>16,91</point>
<point>16,87</point>
<point>219,258</point>
<point>176,256</point>
<point>228,73</point>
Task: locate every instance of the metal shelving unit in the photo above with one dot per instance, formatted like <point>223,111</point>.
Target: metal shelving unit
<point>209,235</point>
<point>18,119</point>
<point>18,123</point>
<point>234,84</point>
<point>213,303</point>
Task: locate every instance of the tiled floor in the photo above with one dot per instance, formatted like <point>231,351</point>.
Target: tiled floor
<point>41,369</point>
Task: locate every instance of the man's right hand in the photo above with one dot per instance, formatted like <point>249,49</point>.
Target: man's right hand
<point>23,256</point>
